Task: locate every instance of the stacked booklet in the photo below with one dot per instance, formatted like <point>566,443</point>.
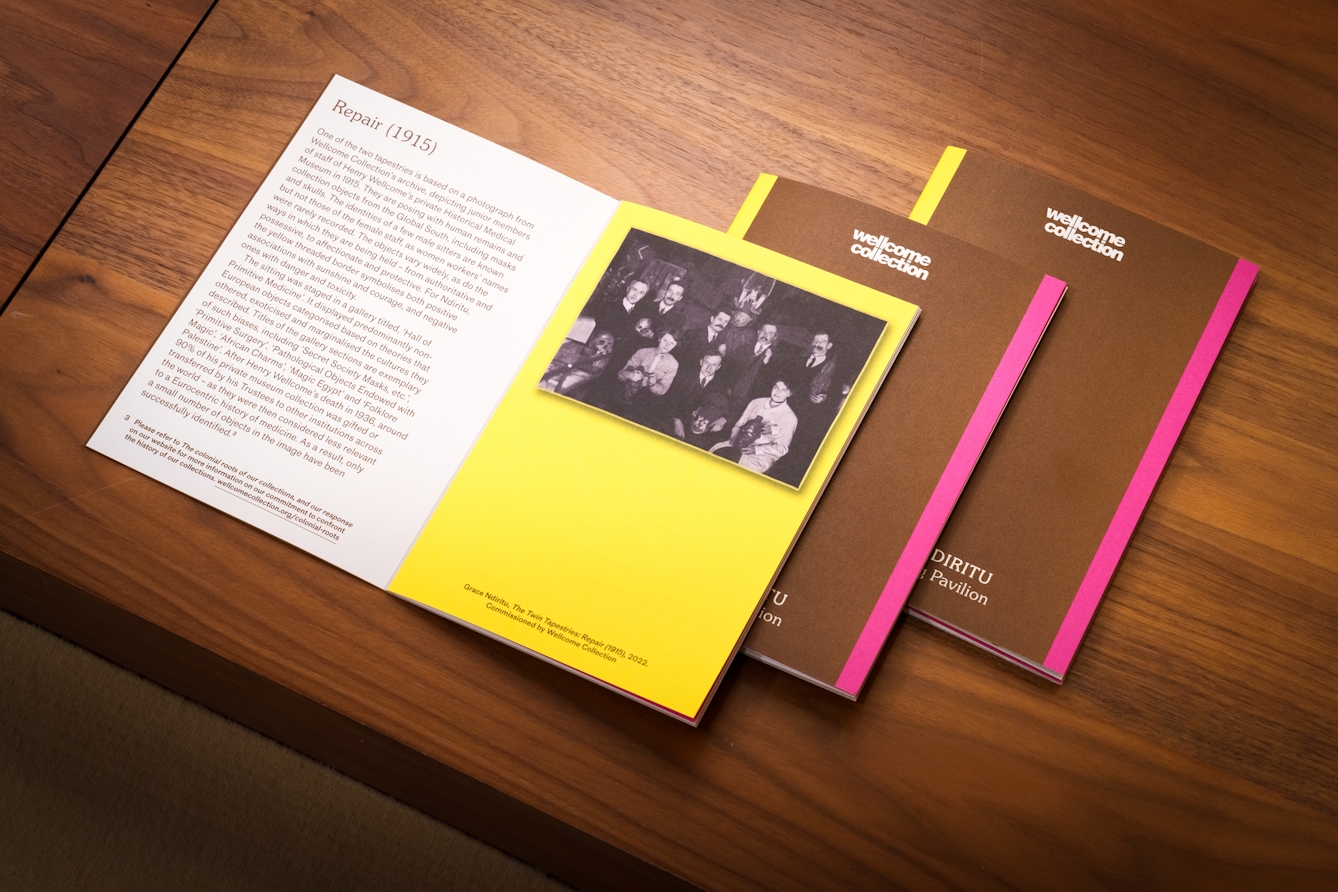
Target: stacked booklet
<point>595,431</point>
<point>1027,555</point>
<point>1035,535</point>
<point>868,541</point>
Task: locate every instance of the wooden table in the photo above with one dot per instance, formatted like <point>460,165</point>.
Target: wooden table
<point>1196,742</point>
<point>76,72</point>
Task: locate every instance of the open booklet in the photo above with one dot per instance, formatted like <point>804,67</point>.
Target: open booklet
<point>488,389</point>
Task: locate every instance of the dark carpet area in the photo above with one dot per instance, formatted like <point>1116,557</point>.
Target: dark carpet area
<point>110,782</point>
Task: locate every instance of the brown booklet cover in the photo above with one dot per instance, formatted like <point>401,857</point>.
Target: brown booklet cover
<point>871,534</point>
<point>1036,537</point>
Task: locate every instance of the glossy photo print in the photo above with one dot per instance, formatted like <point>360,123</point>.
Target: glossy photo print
<point>719,357</point>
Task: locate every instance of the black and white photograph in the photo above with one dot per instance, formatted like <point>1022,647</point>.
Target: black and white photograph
<point>719,357</point>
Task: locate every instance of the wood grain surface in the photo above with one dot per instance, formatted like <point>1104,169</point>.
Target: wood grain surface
<point>1195,744</point>
<point>73,74</point>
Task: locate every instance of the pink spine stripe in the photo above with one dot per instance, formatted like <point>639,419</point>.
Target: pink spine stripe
<point>1154,460</point>
<point>950,484</point>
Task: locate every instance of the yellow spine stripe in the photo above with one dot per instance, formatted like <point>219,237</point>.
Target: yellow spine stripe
<point>752,204</point>
<point>938,184</point>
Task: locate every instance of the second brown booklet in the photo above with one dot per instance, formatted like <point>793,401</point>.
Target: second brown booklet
<point>869,538</point>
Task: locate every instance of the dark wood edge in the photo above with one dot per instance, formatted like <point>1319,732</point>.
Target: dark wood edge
<point>283,715</point>
<point>37,258</point>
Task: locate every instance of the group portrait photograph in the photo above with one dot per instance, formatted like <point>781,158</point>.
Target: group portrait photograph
<point>723,359</point>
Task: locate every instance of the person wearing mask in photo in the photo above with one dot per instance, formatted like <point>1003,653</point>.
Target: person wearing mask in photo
<point>736,341</point>
<point>577,364</point>
<point>706,421</point>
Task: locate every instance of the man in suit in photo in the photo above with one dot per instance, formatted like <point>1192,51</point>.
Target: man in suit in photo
<point>749,365</point>
<point>690,390</point>
<point>667,312</point>
<point>620,315</point>
<point>697,342</point>
<point>813,374</point>
<point>817,396</point>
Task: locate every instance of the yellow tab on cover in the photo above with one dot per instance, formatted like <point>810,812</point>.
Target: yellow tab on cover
<point>938,184</point>
<point>752,204</point>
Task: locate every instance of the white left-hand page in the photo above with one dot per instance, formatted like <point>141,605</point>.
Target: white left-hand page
<point>334,363</point>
